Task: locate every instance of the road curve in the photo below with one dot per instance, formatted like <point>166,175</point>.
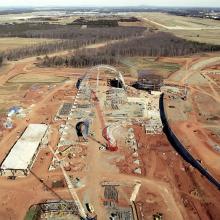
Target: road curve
<point>179,147</point>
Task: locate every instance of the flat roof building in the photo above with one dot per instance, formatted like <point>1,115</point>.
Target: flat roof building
<point>20,158</point>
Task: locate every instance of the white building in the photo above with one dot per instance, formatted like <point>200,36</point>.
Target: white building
<point>20,158</point>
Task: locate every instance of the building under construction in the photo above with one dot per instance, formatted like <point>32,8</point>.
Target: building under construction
<point>148,85</point>
<point>20,158</point>
<point>148,81</point>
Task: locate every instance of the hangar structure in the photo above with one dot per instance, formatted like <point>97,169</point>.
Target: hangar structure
<point>20,158</point>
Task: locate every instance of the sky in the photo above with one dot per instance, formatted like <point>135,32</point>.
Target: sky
<point>174,3</point>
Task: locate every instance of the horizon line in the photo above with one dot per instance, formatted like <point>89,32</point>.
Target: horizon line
<point>106,6</point>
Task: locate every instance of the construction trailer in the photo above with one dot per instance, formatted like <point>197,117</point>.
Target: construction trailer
<point>20,158</point>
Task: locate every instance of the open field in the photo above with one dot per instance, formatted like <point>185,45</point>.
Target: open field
<point>168,21</point>
<point>195,29</point>
<point>134,65</point>
<point>15,42</point>
<point>5,68</point>
<point>202,36</point>
<point>36,78</point>
<point>53,17</point>
<point>23,85</point>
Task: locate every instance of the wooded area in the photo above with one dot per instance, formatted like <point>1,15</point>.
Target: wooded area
<point>153,44</point>
<point>95,22</point>
<point>69,38</point>
<point>79,60</point>
<point>54,31</point>
<point>1,60</point>
<point>137,41</point>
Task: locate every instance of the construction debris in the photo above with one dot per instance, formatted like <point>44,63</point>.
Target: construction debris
<point>8,123</point>
<point>14,110</point>
<point>137,162</point>
<point>53,208</point>
<point>137,171</point>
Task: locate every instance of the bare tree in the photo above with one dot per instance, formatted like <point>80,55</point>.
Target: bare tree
<point>153,44</point>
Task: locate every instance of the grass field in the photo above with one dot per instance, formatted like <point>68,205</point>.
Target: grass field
<point>202,36</point>
<point>59,17</point>
<point>36,78</point>
<point>195,29</point>
<point>15,42</point>
<point>12,91</point>
<point>32,214</point>
<point>5,68</point>
<point>8,97</point>
<point>135,64</point>
<point>168,20</point>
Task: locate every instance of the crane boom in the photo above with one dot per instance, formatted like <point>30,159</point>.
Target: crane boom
<point>70,187</point>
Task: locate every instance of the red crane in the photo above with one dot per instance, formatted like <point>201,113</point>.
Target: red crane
<point>110,146</point>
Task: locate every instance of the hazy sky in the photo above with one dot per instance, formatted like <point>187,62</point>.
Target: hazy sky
<point>202,3</point>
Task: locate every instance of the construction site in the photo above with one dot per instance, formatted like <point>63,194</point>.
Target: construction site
<point>89,145</point>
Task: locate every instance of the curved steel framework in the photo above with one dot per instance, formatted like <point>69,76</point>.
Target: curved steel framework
<point>118,74</point>
<point>107,134</point>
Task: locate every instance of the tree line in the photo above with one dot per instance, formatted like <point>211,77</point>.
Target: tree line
<point>158,44</point>
<point>152,44</point>
<point>83,60</point>
<point>1,59</point>
<point>55,31</point>
<point>71,40</point>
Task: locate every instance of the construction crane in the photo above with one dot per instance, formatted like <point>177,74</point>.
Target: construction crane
<point>71,189</point>
<point>110,145</point>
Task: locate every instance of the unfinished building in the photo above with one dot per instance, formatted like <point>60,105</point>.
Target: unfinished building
<point>64,111</point>
<point>115,97</point>
<point>20,158</point>
<point>148,81</point>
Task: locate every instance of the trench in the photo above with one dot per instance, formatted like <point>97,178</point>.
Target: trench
<point>180,148</point>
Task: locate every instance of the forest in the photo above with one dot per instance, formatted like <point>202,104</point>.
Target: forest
<point>54,31</point>
<point>152,44</point>
<point>120,42</point>
<point>68,38</point>
<point>96,22</point>
<point>1,60</point>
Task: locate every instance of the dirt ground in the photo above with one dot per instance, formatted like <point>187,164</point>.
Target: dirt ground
<point>161,162</point>
<point>168,184</point>
<point>200,109</point>
<point>43,102</point>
